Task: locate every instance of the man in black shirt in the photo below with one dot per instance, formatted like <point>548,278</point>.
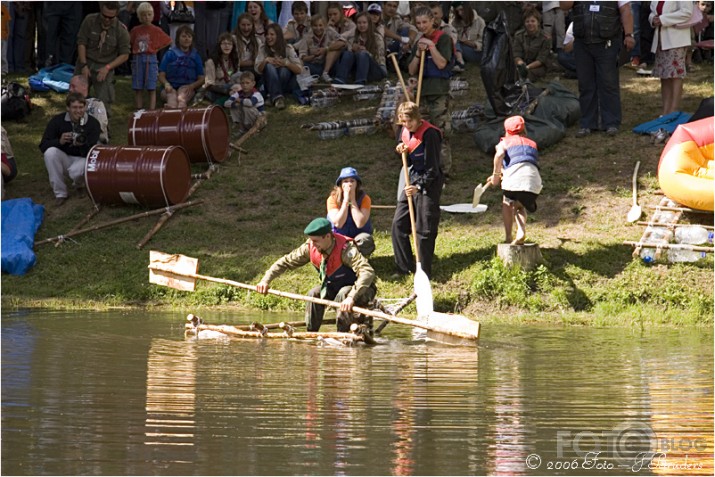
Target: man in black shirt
<point>67,140</point>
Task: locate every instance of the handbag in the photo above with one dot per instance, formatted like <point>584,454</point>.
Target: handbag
<point>695,18</point>
<point>181,14</point>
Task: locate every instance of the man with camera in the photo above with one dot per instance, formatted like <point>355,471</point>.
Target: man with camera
<point>67,140</point>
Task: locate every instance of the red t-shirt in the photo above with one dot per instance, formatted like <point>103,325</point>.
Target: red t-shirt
<point>148,39</point>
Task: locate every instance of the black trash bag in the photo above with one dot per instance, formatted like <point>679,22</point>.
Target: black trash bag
<point>543,132</point>
<point>497,67</point>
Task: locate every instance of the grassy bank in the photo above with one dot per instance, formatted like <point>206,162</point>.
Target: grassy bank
<point>255,209</point>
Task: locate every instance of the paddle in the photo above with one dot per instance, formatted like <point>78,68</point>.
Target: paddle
<point>636,211</point>
<point>419,78</point>
<point>423,289</point>
<point>180,272</point>
<point>478,191</point>
<point>399,75</point>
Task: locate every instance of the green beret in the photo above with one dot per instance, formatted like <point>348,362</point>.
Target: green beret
<point>319,226</point>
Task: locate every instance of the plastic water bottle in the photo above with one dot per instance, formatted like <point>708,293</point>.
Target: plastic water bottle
<point>660,233</point>
<point>648,255</point>
<point>676,255</point>
<point>693,235</point>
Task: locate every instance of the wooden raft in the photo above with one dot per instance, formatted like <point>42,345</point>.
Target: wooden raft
<point>283,330</point>
<point>659,232</point>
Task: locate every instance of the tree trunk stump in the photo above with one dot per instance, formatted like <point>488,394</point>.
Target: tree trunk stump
<point>527,256</point>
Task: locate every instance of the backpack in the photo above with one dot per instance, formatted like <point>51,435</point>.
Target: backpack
<point>15,102</point>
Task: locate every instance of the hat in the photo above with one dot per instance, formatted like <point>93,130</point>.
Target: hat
<point>374,8</point>
<point>514,125</point>
<point>347,173</point>
<point>318,227</point>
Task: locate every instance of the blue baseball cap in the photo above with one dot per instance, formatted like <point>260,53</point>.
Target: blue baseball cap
<point>348,173</point>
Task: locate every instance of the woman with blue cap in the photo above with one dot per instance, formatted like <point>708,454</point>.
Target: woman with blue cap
<point>349,210</point>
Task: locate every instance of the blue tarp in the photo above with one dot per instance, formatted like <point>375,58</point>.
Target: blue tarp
<point>668,122</point>
<point>20,220</point>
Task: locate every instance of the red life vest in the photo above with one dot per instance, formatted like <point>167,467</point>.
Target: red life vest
<point>337,274</point>
<point>416,140</point>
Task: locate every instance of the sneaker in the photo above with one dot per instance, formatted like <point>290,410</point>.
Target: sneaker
<point>59,201</point>
<point>612,131</point>
<point>458,68</point>
<point>583,132</point>
<point>279,103</point>
<point>326,77</point>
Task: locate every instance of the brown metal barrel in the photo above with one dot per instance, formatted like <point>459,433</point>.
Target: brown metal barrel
<point>152,176</point>
<point>203,132</point>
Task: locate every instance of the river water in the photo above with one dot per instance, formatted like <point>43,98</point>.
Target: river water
<point>125,393</point>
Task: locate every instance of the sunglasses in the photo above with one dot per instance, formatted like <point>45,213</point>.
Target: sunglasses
<point>109,17</point>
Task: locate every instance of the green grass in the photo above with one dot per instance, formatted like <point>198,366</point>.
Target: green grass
<point>255,209</point>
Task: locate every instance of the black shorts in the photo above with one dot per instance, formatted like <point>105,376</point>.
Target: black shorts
<point>527,199</point>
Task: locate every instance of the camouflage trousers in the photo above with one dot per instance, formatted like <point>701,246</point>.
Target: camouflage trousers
<point>436,109</point>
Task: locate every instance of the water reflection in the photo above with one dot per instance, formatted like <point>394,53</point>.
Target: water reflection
<point>108,393</point>
<point>170,393</point>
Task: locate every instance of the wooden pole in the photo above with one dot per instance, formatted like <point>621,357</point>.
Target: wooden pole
<point>419,78</point>
<point>670,226</point>
<point>399,75</point>
<point>468,334</point>
<point>169,213</point>
<point>87,218</point>
<point>679,209</point>
<point>260,124</point>
<point>112,223</point>
<point>676,246</point>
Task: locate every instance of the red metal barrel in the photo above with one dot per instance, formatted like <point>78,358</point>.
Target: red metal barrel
<point>152,176</point>
<point>203,132</point>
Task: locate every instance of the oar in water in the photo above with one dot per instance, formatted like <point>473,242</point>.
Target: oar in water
<point>180,272</point>
<point>423,289</point>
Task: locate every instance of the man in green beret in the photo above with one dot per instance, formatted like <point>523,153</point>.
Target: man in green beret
<point>345,274</point>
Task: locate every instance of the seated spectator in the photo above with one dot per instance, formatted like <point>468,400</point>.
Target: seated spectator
<point>260,19</point>
<point>338,21</point>
<point>365,54</point>
<point>313,50</point>
<point>65,144</point>
<point>531,47</point>
<point>95,106</point>
<point>349,210</point>
<point>298,27</point>
<point>399,36</point>
<point>245,104</point>
<point>147,39</point>
<point>222,69</point>
<point>470,33</point>
<point>704,32</point>
<point>374,11</point>
<point>279,64</point>
<point>247,44</point>
<point>181,70</point>
<point>9,166</point>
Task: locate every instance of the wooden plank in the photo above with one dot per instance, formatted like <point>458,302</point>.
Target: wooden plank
<point>186,265</point>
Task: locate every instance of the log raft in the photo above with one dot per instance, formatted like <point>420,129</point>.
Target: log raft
<point>284,330</point>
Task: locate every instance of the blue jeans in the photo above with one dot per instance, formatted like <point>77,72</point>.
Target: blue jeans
<point>469,54</point>
<point>598,84</point>
<point>364,66</point>
<point>567,60</point>
<point>280,81</point>
<point>636,11</point>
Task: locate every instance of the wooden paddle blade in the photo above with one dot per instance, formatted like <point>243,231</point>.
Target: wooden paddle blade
<point>456,323</point>
<point>161,266</point>
<point>423,290</point>
<point>478,191</point>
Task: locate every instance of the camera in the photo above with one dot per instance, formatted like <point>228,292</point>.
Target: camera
<point>79,135</point>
